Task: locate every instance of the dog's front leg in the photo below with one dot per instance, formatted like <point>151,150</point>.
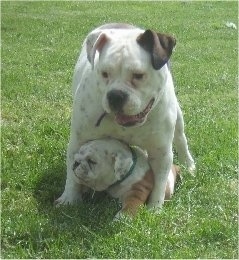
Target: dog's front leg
<point>160,161</point>
<point>73,190</point>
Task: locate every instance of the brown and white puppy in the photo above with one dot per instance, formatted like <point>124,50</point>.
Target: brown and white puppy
<point>124,172</point>
<point>123,88</point>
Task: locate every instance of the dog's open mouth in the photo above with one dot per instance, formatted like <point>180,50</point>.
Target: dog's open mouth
<point>131,120</point>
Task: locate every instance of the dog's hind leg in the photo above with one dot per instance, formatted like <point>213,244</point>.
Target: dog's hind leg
<point>181,144</point>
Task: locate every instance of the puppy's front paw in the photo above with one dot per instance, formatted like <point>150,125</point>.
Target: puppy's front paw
<point>121,216</point>
<point>68,199</point>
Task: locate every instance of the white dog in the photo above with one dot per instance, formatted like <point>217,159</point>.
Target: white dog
<point>123,88</point>
<point>123,171</point>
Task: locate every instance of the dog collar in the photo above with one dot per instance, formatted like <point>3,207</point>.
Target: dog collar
<point>134,158</point>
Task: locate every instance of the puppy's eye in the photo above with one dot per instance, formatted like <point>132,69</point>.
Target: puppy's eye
<point>105,74</point>
<point>91,162</point>
<point>75,165</point>
<point>138,76</point>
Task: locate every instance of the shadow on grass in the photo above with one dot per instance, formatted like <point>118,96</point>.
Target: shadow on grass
<point>97,208</point>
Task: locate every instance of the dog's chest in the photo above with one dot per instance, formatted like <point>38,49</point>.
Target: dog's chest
<point>87,129</point>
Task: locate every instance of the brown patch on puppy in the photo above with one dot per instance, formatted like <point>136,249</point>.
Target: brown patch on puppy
<point>138,194</point>
<point>140,191</point>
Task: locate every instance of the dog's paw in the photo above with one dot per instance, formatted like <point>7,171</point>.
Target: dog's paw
<point>192,168</point>
<point>68,199</point>
<point>154,206</point>
<point>155,210</point>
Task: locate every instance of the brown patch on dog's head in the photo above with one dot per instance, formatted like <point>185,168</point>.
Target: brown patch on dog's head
<point>160,47</point>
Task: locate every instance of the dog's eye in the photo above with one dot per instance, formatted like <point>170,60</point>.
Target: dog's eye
<point>105,74</point>
<point>138,76</point>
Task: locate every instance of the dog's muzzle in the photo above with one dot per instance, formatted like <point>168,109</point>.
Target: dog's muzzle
<point>117,100</point>
<point>132,120</point>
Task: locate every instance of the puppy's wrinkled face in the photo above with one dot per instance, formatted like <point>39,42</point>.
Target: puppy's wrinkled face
<point>100,163</point>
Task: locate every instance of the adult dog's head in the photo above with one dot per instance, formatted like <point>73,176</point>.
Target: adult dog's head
<point>130,68</point>
<point>100,163</point>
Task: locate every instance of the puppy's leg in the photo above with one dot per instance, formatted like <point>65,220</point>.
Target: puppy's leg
<point>180,141</point>
<point>137,195</point>
<point>160,163</point>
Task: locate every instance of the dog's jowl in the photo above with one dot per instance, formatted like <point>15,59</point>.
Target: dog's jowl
<point>123,88</point>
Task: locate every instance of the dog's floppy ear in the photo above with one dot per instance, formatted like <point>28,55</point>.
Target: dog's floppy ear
<point>160,47</point>
<point>122,164</point>
<point>95,42</point>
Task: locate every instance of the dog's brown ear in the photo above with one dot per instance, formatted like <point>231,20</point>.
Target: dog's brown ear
<point>160,47</point>
<point>95,42</point>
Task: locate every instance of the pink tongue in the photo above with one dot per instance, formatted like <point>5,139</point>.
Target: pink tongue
<point>125,119</point>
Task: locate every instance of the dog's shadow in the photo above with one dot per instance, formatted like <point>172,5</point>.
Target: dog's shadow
<point>97,207</point>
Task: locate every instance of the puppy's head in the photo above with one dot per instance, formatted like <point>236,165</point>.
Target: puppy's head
<point>130,70</point>
<point>100,163</point>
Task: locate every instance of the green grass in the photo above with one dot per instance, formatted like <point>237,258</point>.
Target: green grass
<point>40,44</point>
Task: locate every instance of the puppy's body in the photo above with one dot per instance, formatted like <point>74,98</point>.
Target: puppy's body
<point>122,74</point>
<point>110,165</point>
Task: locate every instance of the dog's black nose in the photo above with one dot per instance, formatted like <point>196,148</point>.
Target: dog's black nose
<point>116,99</point>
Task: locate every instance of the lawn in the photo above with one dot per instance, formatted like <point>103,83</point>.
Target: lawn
<point>40,44</point>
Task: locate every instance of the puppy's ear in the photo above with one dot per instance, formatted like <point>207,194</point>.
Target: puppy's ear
<point>160,47</point>
<point>122,165</point>
<point>95,42</point>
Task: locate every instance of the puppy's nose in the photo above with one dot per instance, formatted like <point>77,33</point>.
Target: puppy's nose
<point>116,99</point>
